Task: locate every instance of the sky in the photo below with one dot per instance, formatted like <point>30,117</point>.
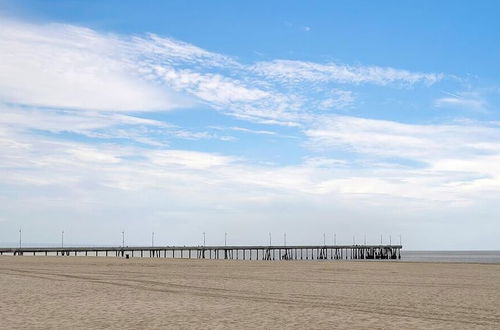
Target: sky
<point>368,120</point>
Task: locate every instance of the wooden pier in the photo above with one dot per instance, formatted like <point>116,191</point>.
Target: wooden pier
<point>294,252</point>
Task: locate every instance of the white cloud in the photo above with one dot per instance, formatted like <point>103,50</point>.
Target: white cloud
<point>449,175</point>
<point>234,97</point>
<point>54,71</point>
<point>70,67</point>
<point>160,51</point>
<point>64,66</point>
<point>57,121</point>
<point>454,162</point>
<point>169,185</point>
<point>188,159</point>
<point>466,100</point>
<point>338,99</point>
<point>97,125</point>
<point>213,88</point>
<point>300,71</point>
<point>253,131</point>
<point>393,139</point>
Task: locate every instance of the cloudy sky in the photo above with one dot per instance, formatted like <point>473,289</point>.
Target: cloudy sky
<point>186,117</point>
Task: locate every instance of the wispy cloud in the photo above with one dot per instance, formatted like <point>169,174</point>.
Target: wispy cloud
<point>96,125</point>
<point>61,67</point>
<point>392,139</point>
<point>449,175</point>
<point>339,99</point>
<point>70,97</point>
<point>454,161</point>
<point>70,67</point>
<point>108,183</point>
<point>464,100</point>
<point>299,71</point>
<point>253,131</point>
<point>154,49</point>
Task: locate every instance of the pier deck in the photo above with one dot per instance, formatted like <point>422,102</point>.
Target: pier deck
<point>293,252</point>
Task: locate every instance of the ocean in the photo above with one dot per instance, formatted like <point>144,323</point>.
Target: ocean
<point>452,256</point>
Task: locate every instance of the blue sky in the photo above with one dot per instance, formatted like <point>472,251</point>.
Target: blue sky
<point>181,117</point>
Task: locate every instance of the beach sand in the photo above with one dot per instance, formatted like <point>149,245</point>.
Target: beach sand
<point>99,292</point>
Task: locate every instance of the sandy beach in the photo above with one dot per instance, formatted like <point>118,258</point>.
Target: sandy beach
<point>98,292</point>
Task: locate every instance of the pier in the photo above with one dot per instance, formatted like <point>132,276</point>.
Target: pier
<point>293,252</point>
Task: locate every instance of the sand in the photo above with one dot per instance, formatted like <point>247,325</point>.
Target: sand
<point>99,292</point>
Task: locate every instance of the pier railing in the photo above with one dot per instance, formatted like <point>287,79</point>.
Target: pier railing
<point>293,252</point>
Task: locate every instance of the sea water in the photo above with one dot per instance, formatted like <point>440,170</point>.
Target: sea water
<point>451,256</point>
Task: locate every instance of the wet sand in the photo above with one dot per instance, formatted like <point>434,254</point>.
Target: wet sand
<point>99,292</point>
